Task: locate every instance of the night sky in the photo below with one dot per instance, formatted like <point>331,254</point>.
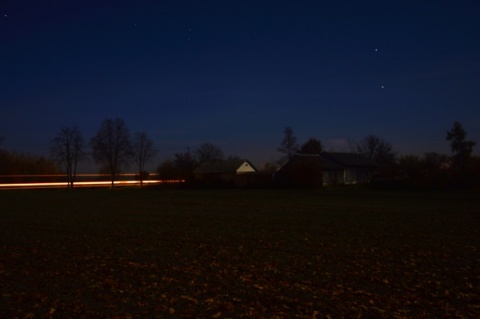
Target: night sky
<point>236,73</point>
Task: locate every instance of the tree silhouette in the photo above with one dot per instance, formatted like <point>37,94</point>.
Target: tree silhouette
<point>312,146</point>
<point>181,167</point>
<point>167,170</point>
<point>13,163</point>
<point>3,158</point>
<point>461,148</point>
<point>207,152</point>
<point>380,151</point>
<point>68,149</point>
<point>185,163</point>
<point>111,146</point>
<point>289,144</point>
<point>142,152</point>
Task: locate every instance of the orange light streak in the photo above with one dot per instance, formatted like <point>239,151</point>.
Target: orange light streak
<point>86,184</point>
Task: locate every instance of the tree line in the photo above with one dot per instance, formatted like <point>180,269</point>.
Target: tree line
<point>14,163</point>
<point>113,148</point>
<point>430,171</point>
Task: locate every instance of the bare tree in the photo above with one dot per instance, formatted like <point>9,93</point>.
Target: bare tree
<point>289,144</point>
<point>167,170</point>
<point>68,149</point>
<point>180,167</point>
<point>184,163</point>
<point>208,152</point>
<point>142,152</point>
<point>312,146</point>
<point>111,146</point>
<point>380,151</point>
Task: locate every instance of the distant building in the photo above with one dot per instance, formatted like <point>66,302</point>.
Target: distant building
<point>235,172</point>
<point>307,171</point>
<point>315,171</point>
<point>357,168</point>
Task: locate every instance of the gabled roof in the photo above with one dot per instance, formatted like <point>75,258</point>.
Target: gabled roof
<point>311,160</point>
<point>221,166</point>
<point>349,159</point>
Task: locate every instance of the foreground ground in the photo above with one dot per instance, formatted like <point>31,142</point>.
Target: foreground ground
<point>156,253</point>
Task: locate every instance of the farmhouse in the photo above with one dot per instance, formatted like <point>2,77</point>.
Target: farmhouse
<point>234,172</point>
<point>356,168</point>
<point>317,170</point>
<point>307,171</point>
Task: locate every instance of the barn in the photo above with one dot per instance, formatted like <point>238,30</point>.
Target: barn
<point>233,172</point>
<point>328,168</point>
<point>357,168</point>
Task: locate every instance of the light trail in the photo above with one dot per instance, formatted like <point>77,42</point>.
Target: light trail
<point>87,184</point>
<point>77,175</point>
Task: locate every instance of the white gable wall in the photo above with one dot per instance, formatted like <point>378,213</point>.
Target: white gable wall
<point>245,168</point>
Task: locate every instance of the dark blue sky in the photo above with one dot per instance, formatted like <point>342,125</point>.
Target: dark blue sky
<point>235,73</point>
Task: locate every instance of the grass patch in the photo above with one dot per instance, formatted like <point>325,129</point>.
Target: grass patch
<point>239,253</point>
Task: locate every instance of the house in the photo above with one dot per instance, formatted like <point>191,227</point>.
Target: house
<point>357,168</point>
<point>317,170</point>
<point>234,172</point>
<point>308,171</point>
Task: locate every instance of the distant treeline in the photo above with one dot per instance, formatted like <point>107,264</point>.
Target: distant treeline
<point>12,163</point>
<point>433,171</point>
<point>460,170</point>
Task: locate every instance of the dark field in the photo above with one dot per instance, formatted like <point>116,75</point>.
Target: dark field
<point>153,253</point>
